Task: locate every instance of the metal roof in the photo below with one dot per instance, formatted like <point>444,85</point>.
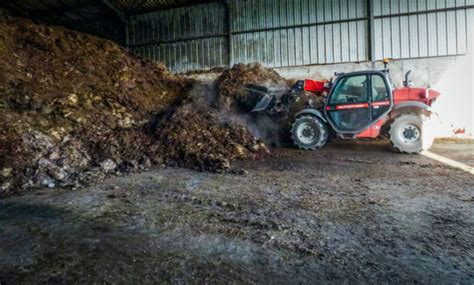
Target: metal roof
<point>87,10</point>
<point>139,6</point>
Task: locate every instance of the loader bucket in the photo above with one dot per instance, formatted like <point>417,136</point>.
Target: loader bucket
<point>263,104</point>
<point>268,96</point>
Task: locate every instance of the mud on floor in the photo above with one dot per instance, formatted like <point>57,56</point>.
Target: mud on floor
<point>350,212</point>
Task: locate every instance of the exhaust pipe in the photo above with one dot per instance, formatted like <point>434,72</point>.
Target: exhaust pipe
<point>408,82</point>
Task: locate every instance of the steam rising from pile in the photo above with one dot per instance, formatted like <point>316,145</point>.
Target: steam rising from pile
<point>201,136</point>
<point>236,102</point>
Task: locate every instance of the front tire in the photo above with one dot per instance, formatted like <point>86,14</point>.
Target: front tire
<point>411,133</point>
<point>309,133</point>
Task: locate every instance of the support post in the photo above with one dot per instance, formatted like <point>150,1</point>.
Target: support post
<point>228,20</point>
<point>371,11</point>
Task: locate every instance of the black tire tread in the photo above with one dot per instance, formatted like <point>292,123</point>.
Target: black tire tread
<point>322,128</point>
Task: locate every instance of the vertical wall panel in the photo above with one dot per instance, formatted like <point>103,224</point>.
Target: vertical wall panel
<point>414,38</point>
<point>423,35</point>
<point>451,31</point>
<point>461,35</point>
<point>329,51</point>
<point>313,44</point>
<point>306,48</point>
<point>321,45</point>
<point>362,39</point>
<point>403,45</point>
<point>337,49</point>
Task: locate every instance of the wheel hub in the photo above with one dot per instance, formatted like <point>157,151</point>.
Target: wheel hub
<point>411,133</point>
<point>307,133</point>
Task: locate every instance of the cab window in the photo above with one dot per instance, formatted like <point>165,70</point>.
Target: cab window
<point>380,93</point>
<point>379,89</point>
<point>350,90</point>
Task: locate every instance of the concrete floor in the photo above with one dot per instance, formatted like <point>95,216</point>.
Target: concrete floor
<point>352,212</point>
<point>461,151</point>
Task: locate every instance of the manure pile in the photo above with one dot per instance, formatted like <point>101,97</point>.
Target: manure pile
<point>75,108</point>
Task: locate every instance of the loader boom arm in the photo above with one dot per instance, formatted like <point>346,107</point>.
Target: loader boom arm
<point>278,101</point>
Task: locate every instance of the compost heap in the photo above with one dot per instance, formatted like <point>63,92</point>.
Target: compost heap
<point>75,107</point>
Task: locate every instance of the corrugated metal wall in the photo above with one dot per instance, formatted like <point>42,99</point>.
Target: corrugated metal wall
<point>299,32</point>
<point>184,39</point>
<point>280,33</point>
<point>420,28</point>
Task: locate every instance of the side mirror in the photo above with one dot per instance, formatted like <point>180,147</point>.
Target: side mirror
<point>408,82</point>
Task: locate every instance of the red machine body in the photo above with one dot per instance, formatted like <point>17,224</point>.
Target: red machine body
<point>423,95</point>
<point>400,95</point>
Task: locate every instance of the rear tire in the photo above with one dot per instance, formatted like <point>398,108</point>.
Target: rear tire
<point>411,133</point>
<point>309,133</point>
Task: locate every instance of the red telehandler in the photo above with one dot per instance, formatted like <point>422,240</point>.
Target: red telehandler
<point>361,104</point>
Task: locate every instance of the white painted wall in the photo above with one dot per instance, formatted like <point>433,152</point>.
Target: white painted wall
<point>453,76</point>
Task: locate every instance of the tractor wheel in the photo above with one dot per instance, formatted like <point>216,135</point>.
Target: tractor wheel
<point>411,133</point>
<point>309,133</point>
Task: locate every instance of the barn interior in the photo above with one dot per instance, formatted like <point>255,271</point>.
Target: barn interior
<point>181,141</point>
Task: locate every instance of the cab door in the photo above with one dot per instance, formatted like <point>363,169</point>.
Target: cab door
<point>380,97</point>
<point>358,101</point>
<point>347,107</point>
